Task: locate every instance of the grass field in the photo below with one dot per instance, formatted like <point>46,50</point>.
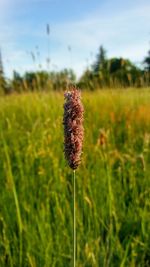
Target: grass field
<point>113,182</point>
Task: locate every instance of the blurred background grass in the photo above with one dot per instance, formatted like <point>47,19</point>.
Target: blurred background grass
<point>113,181</point>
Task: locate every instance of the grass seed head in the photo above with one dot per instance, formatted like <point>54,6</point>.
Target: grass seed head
<point>73,127</point>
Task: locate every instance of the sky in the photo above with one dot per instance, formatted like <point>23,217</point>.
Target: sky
<point>77,29</point>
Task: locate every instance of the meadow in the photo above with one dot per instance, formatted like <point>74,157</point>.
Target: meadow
<point>113,181</point>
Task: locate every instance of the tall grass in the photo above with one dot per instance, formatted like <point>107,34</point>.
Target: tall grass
<point>113,195</point>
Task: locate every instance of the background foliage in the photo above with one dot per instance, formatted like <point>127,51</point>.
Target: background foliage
<point>113,182</point>
<point>104,73</point>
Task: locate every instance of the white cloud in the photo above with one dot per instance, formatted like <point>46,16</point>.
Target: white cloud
<point>94,30</point>
<point>4,5</point>
<point>123,34</point>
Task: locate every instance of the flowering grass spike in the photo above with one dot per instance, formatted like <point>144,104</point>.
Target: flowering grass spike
<point>73,127</point>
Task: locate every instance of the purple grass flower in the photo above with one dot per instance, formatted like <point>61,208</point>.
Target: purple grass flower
<point>73,127</point>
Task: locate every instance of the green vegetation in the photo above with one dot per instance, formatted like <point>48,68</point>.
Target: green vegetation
<point>115,73</point>
<point>103,73</point>
<point>113,182</point>
<point>3,84</point>
<point>147,61</point>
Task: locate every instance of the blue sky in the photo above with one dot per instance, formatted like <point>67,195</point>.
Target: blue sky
<point>122,27</point>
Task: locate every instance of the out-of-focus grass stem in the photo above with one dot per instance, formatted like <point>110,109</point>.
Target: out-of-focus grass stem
<point>12,183</point>
<point>74,219</point>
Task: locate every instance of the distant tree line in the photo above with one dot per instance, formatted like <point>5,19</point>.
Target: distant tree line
<point>115,72</point>
<point>3,83</point>
<point>104,73</point>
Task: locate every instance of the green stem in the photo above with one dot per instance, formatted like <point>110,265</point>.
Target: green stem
<point>74,219</point>
<point>12,183</point>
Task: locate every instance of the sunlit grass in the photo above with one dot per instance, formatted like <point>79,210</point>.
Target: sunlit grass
<point>113,195</point>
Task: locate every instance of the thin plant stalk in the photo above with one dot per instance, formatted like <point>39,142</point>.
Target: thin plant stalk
<point>48,46</point>
<point>73,141</point>
<point>18,212</point>
<point>74,219</point>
